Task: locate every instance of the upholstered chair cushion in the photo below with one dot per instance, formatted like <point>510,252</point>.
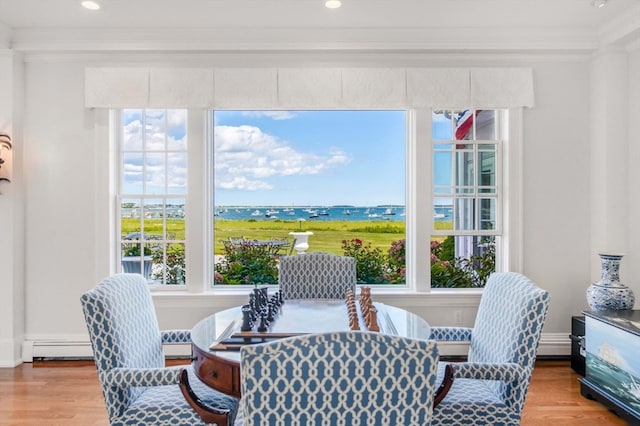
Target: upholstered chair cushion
<point>316,276</point>
<point>490,388</point>
<point>341,378</point>
<point>127,347</point>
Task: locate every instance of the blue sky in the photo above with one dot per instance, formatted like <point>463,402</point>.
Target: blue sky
<point>282,158</point>
<point>310,158</point>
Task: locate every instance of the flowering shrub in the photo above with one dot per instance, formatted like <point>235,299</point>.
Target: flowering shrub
<point>396,263</point>
<point>370,262</point>
<point>450,272</point>
<point>246,263</point>
<point>372,267</point>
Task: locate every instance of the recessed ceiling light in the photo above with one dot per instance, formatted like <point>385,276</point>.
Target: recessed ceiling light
<point>599,3</point>
<point>332,4</point>
<point>91,5</point>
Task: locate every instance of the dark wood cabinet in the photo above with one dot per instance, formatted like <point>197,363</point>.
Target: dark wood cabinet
<point>577,345</point>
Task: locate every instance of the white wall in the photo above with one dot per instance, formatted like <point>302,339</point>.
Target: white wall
<point>63,162</point>
<point>630,274</point>
<point>556,188</point>
<point>11,215</point>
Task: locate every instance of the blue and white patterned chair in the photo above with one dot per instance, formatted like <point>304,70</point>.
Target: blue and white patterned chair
<point>490,388</point>
<point>340,378</point>
<point>316,276</point>
<point>127,346</point>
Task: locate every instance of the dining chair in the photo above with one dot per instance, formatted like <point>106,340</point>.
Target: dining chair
<point>128,350</point>
<point>339,378</point>
<point>491,386</point>
<point>316,275</point>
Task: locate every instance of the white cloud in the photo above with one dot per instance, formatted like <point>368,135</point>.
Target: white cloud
<point>245,157</point>
<point>239,182</point>
<point>156,133</point>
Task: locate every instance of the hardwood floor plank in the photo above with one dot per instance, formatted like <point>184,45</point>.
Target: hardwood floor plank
<point>67,393</point>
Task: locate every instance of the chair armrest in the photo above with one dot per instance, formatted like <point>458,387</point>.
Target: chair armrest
<point>507,372</point>
<point>451,334</point>
<point>141,377</point>
<point>176,336</point>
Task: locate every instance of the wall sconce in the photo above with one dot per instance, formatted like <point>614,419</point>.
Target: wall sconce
<point>6,157</point>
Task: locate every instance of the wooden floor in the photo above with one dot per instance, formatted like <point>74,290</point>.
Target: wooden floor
<point>67,393</point>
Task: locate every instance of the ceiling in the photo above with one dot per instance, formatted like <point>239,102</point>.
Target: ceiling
<point>387,23</point>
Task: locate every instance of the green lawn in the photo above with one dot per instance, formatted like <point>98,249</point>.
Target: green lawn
<point>327,236</point>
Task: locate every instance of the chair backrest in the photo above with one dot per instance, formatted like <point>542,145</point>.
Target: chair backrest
<point>340,378</point>
<point>508,326</point>
<point>124,332</point>
<point>316,276</point>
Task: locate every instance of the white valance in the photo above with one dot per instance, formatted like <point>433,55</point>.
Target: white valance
<point>306,88</point>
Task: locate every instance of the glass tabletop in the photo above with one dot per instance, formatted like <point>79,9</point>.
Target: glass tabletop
<point>305,316</point>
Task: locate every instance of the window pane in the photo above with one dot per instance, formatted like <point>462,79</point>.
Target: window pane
<point>442,168</point>
<point>155,130</point>
<point>338,174</point>
<point>153,189</point>
<point>155,174</point>
<point>131,139</point>
<point>465,168</point>
<point>441,126</point>
<point>465,213</point>
<point>176,130</point>
<point>443,214</point>
<point>486,125</point>
<point>132,173</point>
<point>462,261</point>
<point>177,173</point>
<point>487,170</point>
<point>487,213</point>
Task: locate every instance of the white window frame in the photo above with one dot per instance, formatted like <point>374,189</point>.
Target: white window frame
<point>116,119</point>
<point>419,204</point>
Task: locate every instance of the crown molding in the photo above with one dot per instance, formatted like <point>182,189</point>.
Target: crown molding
<point>254,59</point>
<point>622,30</point>
<point>311,39</point>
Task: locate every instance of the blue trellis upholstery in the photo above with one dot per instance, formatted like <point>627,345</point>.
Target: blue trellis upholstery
<point>490,388</point>
<point>340,378</point>
<point>316,276</point>
<point>127,346</point>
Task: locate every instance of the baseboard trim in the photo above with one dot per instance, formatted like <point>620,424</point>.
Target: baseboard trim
<point>551,345</point>
<point>10,353</point>
<point>82,350</point>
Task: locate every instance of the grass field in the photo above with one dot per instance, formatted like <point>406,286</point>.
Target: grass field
<point>327,235</point>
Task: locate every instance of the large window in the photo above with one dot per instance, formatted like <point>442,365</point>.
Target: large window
<point>152,194</point>
<point>355,182</point>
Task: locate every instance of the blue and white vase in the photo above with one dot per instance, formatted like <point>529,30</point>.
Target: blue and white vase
<point>609,292</point>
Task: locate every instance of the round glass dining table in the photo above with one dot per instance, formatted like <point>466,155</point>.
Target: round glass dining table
<point>217,339</point>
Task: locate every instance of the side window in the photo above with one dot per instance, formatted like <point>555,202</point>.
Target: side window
<point>466,196</point>
<point>151,193</point>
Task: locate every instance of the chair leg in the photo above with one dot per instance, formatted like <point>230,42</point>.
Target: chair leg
<point>444,387</point>
<point>208,414</point>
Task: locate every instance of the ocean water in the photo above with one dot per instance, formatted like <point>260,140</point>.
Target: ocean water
<point>614,379</point>
<point>320,213</point>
